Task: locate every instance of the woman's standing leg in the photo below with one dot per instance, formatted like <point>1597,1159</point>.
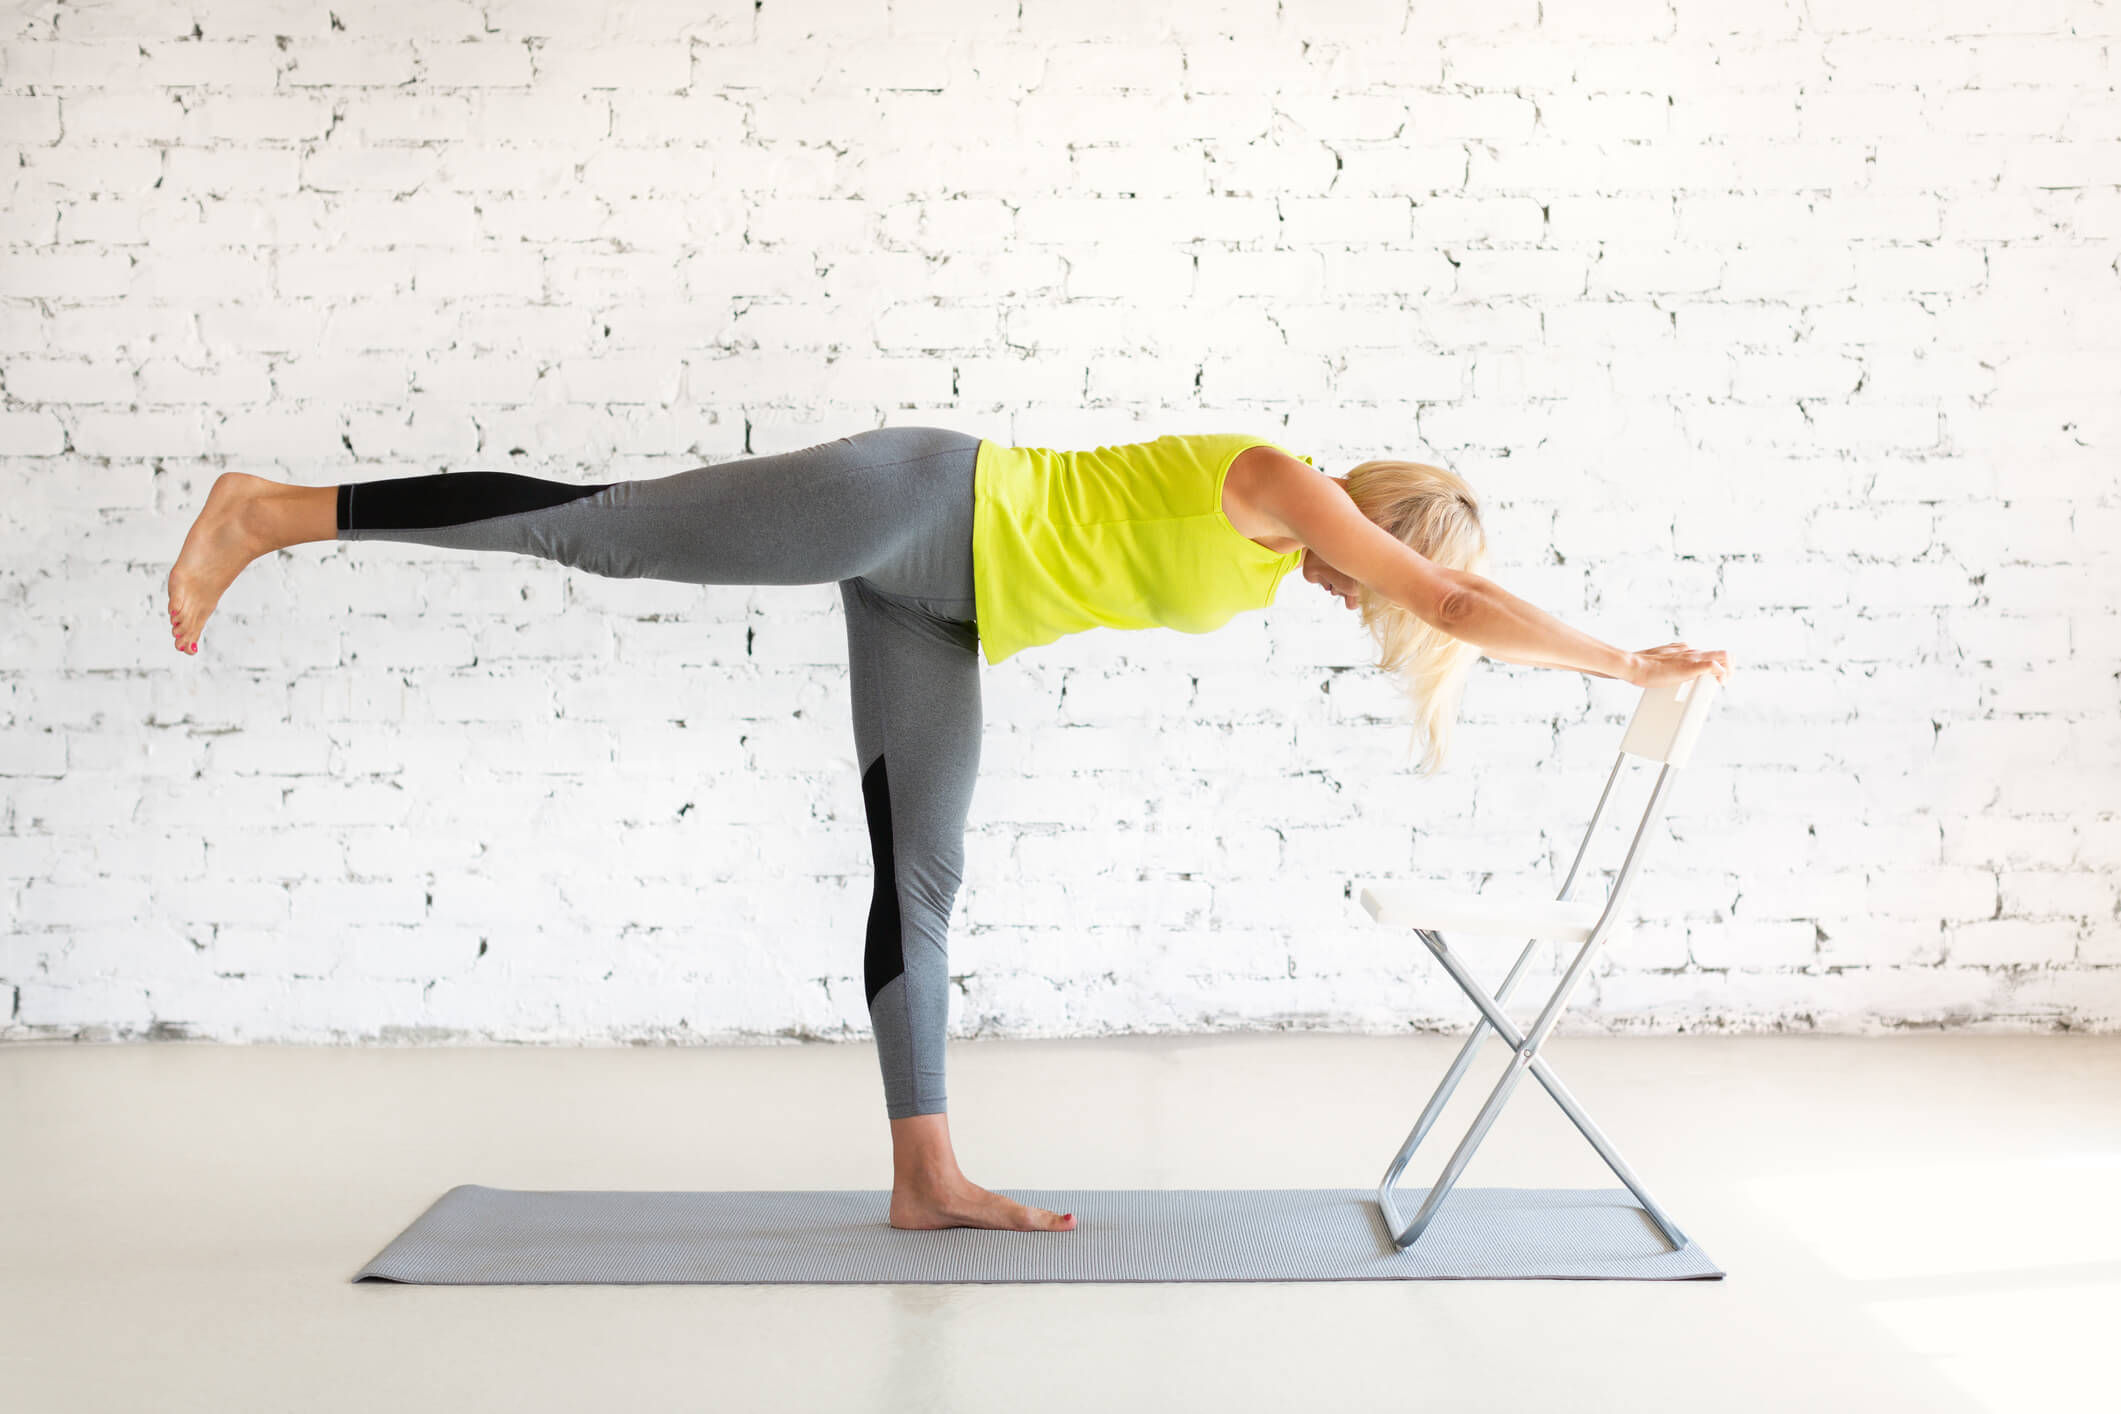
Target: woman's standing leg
<point>916,690</point>
<point>914,681</point>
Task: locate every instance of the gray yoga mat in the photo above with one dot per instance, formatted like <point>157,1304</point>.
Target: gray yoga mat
<point>478,1236</point>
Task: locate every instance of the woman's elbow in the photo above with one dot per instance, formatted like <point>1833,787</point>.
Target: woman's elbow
<point>1458,605</point>
<point>1444,599</point>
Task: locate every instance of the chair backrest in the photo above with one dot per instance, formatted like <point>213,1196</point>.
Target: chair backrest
<point>1667,720</point>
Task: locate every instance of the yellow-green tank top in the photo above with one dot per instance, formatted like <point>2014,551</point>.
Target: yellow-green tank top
<point>1132,536</point>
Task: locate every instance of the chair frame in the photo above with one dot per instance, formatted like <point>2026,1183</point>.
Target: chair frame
<point>1675,744</point>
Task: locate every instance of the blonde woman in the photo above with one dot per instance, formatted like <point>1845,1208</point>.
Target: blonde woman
<point>945,545</point>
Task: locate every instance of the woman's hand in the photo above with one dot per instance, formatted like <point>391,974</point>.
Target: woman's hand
<point>1675,662</point>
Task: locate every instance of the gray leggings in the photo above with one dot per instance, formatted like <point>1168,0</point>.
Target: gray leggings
<point>884,514</point>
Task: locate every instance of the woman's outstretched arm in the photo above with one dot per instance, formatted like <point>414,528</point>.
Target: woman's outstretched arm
<point>1316,510</point>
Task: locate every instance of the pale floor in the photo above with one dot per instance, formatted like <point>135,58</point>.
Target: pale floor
<point>1909,1223</point>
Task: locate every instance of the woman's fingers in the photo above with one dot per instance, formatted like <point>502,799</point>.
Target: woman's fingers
<point>1677,662</point>
<point>1716,663</point>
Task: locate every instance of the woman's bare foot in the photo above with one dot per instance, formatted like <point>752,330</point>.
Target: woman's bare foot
<point>221,542</point>
<point>244,517</point>
<point>963,1203</point>
<point>929,1191</point>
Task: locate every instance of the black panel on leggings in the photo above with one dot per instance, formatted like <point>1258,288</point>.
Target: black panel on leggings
<point>884,957</point>
<point>450,498</point>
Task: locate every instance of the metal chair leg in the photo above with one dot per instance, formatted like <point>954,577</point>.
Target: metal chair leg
<point>1606,1151</point>
<point>1434,1109</point>
<point>1463,1155</point>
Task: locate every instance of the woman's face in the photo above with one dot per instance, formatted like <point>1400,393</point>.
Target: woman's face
<point>1341,586</point>
<point>1330,579</point>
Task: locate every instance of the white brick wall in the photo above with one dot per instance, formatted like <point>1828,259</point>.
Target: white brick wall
<point>1790,329</point>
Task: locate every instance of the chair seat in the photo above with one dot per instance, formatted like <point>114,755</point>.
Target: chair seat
<point>1447,911</point>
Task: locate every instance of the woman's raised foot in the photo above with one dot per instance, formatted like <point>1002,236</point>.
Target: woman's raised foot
<point>220,543</point>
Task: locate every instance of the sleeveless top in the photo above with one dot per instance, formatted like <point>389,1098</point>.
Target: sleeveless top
<point>1126,537</point>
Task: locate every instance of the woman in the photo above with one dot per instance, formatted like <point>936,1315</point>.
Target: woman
<point>941,542</point>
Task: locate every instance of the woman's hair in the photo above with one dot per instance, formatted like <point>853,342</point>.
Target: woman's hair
<point>1434,512</point>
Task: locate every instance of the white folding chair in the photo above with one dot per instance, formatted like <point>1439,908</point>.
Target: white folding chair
<point>1666,723</point>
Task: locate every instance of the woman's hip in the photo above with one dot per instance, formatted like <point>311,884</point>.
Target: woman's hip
<point>927,477</point>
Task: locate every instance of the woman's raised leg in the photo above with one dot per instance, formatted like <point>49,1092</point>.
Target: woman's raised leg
<point>816,515</point>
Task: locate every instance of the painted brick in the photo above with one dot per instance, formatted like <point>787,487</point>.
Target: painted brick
<point>1806,356</point>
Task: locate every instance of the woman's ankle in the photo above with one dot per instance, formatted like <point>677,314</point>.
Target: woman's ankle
<point>921,1152</point>
<point>295,515</point>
